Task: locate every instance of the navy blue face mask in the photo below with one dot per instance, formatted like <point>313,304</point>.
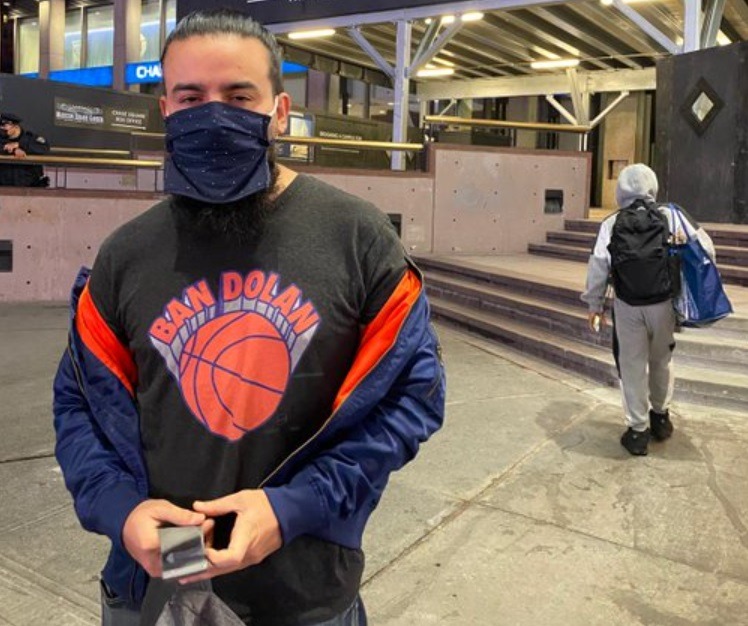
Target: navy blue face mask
<point>217,153</point>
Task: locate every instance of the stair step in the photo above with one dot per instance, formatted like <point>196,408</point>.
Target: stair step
<point>565,237</point>
<point>560,252</point>
<point>483,275</point>
<point>700,346</point>
<point>582,226</point>
<point>695,384</point>
<point>731,274</point>
<point>565,320</point>
<point>731,255</point>
<point>732,235</point>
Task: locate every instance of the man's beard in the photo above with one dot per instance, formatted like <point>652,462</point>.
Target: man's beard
<point>239,221</point>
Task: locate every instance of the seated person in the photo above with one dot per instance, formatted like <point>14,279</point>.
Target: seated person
<point>20,143</point>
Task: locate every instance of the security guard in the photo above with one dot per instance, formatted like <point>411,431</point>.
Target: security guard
<point>19,143</point>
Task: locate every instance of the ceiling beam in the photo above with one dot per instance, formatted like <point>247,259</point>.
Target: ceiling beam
<point>418,13</point>
<point>539,85</point>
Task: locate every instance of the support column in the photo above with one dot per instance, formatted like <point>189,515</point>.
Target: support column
<point>126,39</point>
<point>692,25</point>
<point>402,92</point>
<point>51,36</point>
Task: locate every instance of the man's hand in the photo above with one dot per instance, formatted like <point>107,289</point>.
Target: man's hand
<point>596,321</point>
<point>15,149</point>
<point>256,532</point>
<point>140,532</point>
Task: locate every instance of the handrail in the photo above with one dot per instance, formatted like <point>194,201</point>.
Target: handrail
<point>100,151</point>
<point>351,143</point>
<point>324,141</point>
<point>464,121</point>
<point>73,161</point>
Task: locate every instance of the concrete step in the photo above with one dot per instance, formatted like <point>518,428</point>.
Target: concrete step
<point>695,346</point>
<point>699,385</point>
<point>731,274</point>
<point>731,235</point>
<point>556,251</point>
<point>566,320</point>
<point>732,255</point>
<point>726,255</point>
<point>571,238</point>
<point>582,226</point>
<point>484,275</point>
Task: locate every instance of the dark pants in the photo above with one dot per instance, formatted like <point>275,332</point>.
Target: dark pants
<point>115,613</point>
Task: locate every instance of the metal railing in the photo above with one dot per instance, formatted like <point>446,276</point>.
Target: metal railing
<point>537,126</point>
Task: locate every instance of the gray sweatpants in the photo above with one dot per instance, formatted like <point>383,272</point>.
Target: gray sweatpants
<point>643,348</point>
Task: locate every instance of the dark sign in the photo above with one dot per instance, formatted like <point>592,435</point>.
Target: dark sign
<point>93,116</point>
<point>282,11</point>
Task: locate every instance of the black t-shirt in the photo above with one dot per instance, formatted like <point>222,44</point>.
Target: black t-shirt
<point>240,351</point>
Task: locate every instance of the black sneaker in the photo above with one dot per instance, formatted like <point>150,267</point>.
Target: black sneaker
<point>661,425</point>
<point>635,442</point>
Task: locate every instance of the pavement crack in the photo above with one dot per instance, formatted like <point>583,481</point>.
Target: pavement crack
<point>30,457</point>
<point>731,511</point>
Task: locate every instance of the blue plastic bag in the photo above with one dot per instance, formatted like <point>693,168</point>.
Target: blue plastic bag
<point>702,299</point>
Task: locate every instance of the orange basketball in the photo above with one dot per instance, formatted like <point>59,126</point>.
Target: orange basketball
<point>233,373</point>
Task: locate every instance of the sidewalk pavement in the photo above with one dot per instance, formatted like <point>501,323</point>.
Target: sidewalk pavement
<point>523,510</point>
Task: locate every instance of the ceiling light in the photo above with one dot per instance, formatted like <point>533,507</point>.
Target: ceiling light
<point>430,66</point>
<point>473,16</point>
<point>311,34</point>
<point>437,71</point>
<point>722,39</point>
<point>444,62</point>
<point>607,3</point>
<point>552,65</point>
<point>448,19</point>
<point>428,20</point>
<point>448,53</point>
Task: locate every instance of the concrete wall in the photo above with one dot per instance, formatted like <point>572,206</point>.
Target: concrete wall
<point>491,201</point>
<point>474,200</point>
<point>54,234</point>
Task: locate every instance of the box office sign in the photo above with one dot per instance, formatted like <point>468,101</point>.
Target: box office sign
<point>97,117</point>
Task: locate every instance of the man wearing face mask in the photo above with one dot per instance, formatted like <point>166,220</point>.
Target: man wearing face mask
<point>20,143</point>
<point>252,356</point>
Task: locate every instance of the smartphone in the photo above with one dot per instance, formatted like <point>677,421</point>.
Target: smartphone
<point>182,551</point>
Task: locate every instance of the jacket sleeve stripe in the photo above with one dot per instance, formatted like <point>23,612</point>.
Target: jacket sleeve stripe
<point>103,343</point>
<point>380,333</point>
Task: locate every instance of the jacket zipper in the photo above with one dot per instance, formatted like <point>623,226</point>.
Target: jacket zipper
<point>324,426</point>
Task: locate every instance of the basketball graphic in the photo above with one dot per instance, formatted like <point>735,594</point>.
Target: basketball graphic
<point>233,372</point>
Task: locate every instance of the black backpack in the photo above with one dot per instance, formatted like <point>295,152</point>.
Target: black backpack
<point>642,269</point>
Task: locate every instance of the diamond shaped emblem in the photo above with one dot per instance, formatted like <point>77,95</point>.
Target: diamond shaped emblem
<point>701,106</point>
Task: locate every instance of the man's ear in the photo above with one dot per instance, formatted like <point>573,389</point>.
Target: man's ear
<point>282,113</point>
<point>162,106</point>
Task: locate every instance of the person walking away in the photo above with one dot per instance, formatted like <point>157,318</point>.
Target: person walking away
<point>632,251</point>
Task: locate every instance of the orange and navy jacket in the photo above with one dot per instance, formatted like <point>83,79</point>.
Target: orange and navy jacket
<point>391,400</point>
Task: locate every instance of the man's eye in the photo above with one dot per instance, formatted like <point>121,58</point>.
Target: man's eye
<point>241,98</point>
<point>188,99</point>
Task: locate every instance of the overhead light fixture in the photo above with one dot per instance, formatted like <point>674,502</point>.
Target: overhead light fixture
<point>448,53</point>
<point>312,34</point>
<point>436,71</point>
<point>554,64</point>
<point>722,39</point>
<point>444,62</point>
<point>430,66</point>
<point>607,3</point>
<point>428,20</point>
<point>473,16</point>
<point>448,19</point>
